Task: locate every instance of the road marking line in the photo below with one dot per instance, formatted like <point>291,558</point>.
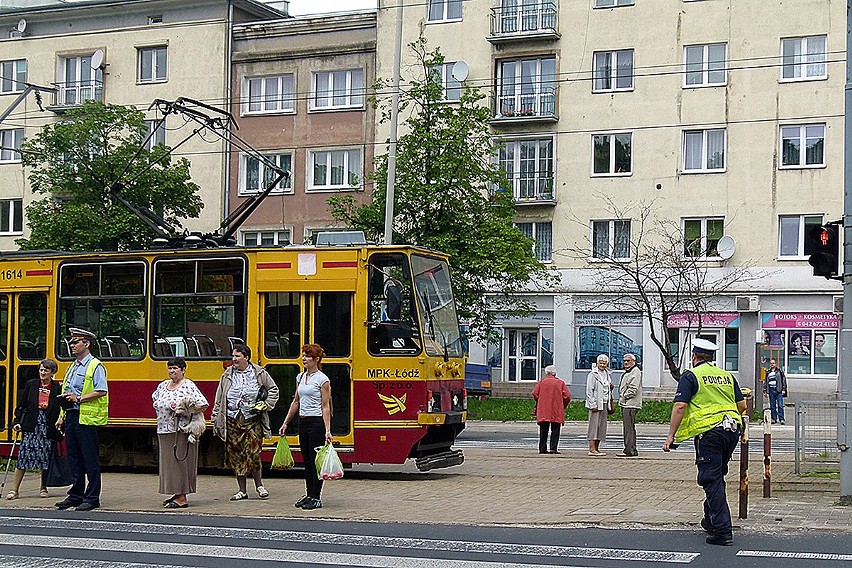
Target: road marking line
<point>357,540</point>
<point>53,562</point>
<point>795,555</point>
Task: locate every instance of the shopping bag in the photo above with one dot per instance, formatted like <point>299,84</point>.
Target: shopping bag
<point>328,463</point>
<point>58,468</point>
<point>283,458</point>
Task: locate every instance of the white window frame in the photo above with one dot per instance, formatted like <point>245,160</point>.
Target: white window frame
<point>517,179</point>
<point>354,95</point>
<point>704,169</point>
<point>611,224</point>
<point>275,233</point>
<point>284,102</point>
<point>543,254</point>
<point>11,138</point>
<point>445,11</point>
<point>803,149</point>
<point>613,3</point>
<point>613,76</point>
<point>448,83</point>
<point>543,99</point>
<point>611,170</point>
<point>327,154</point>
<point>705,66</point>
<point>285,186</point>
<point>156,76</point>
<point>704,221</point>
<point>802,236</point>
<point>12,77</point>
<point>82,89</point>
<point>159,136</point>
<point>15,206</point>
<point>803,63</point>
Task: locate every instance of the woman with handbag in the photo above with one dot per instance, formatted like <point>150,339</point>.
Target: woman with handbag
<point>599,402</point>
<point>178,457</point>
<point>312,401</point>
<point>36,416</point>
<point>245,395</point>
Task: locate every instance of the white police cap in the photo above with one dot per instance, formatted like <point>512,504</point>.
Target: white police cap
<point>703,346</point>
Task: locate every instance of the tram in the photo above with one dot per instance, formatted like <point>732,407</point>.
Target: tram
<point>385,316</point>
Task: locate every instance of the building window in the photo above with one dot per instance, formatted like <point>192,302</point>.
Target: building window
<point>527,87</point>
<point>445,10</point>
<point>10,141</point>
<point>256,174</point>
<point>271,238</point>
<point>334,169</point>
<point>701,237</point>
<point>704,150</point>
<point>270,94</point>
<point>451,88</point>
<point>613,334</point>
<point>514,16</point>
<point>11,216</point>
<point>613,3</point>
<point>611,154</point>
<point>79,82</point>
<point>705,65</point>
<point>806,351</point>
<point>529,168</point>
<point>611,239</point>
<point>338,89</point>
<point>542,234</point>
<point>793,233</point>
<point>803,146</point>
<point>159,135</point>
<point>153,64</point>
<point>613,71</point>
<point>13,75</point>
<point>803,58</point>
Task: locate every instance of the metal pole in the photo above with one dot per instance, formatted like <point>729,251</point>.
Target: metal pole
<point>844,381</point>
<point>767,453</point>
<point>743,512</point>
<point>394,120</point>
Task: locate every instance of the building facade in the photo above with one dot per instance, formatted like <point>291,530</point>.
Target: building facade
<point>726,117</point>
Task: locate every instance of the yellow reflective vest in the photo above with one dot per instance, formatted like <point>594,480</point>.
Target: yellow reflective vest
<point>92,412</point>
<point>714,400</point>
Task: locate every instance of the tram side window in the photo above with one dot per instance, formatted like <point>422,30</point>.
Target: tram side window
<point>32,326</point>
<point>333,323</point>
<point>4,327</point>
<point>392,326</point>
<point>437,306</point>
<point>107,299</point>
<point>281,321</point>
<point>199,307</point>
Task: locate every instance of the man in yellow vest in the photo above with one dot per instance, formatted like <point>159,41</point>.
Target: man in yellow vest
<point>86,406</point>
<point>708,407</point>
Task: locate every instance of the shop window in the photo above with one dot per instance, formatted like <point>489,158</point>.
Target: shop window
<point>610,334</point>
<point>804,351</point>
<point>732,349</point>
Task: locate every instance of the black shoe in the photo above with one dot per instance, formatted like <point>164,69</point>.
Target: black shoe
<point>554,451</point>
<point>312,504</point>
<point>782,422</point>
<point>66,504</point>
<point>302,501</point>
<point>720,539</point>
<point>89,506</point>
<point>543,452</point>
<point>705,524</point>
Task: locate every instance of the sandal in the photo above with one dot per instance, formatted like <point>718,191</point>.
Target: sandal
<point>262,492</point>
<point>43,493</point>
<point>12,495</point>
<point>176,505</point>
<point>169,500</point>
<point>238,496</point>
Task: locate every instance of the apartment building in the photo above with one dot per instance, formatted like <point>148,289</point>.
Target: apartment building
<point>726,115</point>
<point>300,97</point>
<point>126,52</point>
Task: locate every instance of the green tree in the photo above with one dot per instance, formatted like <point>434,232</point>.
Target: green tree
<point>451,195</point>
<point>74,162</point>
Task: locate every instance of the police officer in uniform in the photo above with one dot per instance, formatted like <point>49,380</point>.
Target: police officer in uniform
<point>708,407</point>
<point>85,407</point>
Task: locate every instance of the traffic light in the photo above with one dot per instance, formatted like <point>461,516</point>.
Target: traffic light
<point>824,249</point>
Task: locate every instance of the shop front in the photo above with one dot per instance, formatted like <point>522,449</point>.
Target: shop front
<point>804,344</point>
<point>721,328</point>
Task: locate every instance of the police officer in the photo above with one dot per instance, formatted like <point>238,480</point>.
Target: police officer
<point>86,406</point>
<point>708,406</point>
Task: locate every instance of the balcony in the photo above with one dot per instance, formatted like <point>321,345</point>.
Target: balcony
<point>72,95</point>
<point>539,106</point>
<point>524,23</point>
<point>532,188</point>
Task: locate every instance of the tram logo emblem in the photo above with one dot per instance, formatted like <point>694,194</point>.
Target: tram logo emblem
<point>393,404</point>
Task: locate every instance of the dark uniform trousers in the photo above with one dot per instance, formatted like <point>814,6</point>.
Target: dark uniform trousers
<point>84,459</point>
<point>713,450</point>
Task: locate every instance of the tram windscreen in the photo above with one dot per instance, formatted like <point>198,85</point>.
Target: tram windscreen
<point>437,306</point>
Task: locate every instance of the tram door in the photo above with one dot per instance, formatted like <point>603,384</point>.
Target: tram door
<point>23,343</point>
<point>292,319</point>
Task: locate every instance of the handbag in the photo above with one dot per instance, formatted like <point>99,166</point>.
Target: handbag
<point>58,469</point>
<point>610,409</point>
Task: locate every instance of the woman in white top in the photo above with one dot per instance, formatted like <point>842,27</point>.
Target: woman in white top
<point>313,403</point>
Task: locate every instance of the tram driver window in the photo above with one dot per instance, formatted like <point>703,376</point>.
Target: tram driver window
<point>392,326</point>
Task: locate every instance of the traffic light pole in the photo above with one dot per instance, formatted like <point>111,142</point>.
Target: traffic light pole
<point>844,379</point>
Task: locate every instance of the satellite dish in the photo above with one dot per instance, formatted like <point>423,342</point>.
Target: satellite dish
<point>726,247</point>
<point>22,25</point>
<point>460,71</point>
<point>98,59</point>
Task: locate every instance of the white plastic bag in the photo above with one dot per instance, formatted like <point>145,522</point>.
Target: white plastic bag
<point>328,463</point>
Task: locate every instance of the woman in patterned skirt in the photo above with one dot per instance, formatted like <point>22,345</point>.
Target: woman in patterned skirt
<point>178,457</point>
<point>35,416</point>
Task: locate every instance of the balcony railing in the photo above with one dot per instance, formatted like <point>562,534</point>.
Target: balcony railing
<point>524,22</point>
<point>532,188</point>
<point>539,105</point>
<point>76,93</point>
